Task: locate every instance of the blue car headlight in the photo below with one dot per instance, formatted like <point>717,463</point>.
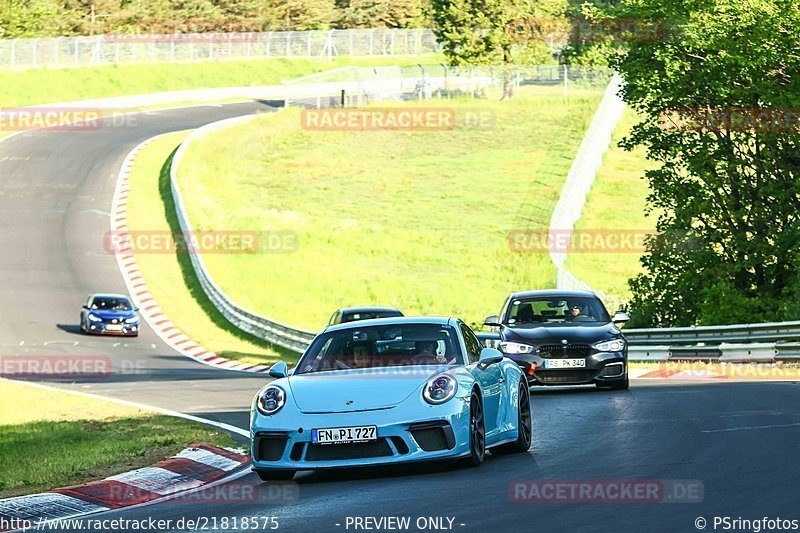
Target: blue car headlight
<point>132,320</point>
<point>270,400</point>
<point>93,318</point>
<point>439,389</point>
<point>515,348</point>
<point>616,345</point>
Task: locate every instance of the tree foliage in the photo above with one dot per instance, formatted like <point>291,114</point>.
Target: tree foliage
<point>719,94</point>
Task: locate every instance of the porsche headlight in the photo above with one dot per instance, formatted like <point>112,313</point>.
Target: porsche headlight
<point>270,400</point>
<point>132,320</point>
<point>616,345</point>
<point>439,389</point>
<point>93,318</point>
<point>516,348</point>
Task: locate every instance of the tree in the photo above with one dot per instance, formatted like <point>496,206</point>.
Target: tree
<point>719,95</point>
<point>381,14</point>
<point>491,32</point>
<point>290,15</point>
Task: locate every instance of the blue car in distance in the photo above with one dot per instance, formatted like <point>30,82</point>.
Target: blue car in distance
<point>389,390</point>
<point>109,314</point>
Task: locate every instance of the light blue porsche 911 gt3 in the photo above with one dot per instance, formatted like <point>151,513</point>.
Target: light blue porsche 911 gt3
<point>390,390</point>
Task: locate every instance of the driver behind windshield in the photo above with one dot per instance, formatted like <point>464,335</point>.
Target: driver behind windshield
<point>429,349</point>
<point>361,356</point>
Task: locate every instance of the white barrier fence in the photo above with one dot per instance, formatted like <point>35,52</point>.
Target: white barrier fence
<point>120,49</point>
<point>579,181</point>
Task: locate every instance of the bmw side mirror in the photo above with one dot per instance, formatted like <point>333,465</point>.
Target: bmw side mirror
<point>279,370</point>
<point>620,317</point>
<point>86,307</point>
<point>136,309</point>
<point>492,321</point>
<point>490,356</point>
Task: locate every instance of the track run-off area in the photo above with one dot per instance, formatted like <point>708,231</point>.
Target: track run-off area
<point>735,440</point>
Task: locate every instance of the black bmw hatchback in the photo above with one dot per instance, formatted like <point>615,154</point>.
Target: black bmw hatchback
<point>563,338</point>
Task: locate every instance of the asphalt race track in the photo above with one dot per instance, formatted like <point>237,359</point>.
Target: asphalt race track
<point>736,439</point>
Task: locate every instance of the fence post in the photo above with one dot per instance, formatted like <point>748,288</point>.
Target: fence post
<point>350,33</point>
<point>172,50</point>
<point>391,45</point>
<point>55,49</point>
<point>77,53</point>
<point>566,81</point>
<point>288,43</point>
<point>153,52</point>
<point>269,43</point>
<point>308,43</point>
<point>371,39</point>
<point>35,51</point>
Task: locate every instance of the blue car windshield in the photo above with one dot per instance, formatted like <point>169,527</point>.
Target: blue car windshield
<point>111,304</point>
<point>390,345</point>
<point>556,311</point>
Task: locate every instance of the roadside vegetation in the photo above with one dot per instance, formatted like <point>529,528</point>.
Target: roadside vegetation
<point>170,276</point>
<point>45,86</point>
<point>417,220</point>
<point>82,439</point>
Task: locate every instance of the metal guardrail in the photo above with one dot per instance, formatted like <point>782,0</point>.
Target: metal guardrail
<point>283,335</point>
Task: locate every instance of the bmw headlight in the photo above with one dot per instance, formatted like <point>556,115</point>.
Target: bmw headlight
<point>439,389</point>
<point>616,345</point>
<point>93,318</point>
<point>270,400</point>
<point>132,320</point>
<point>516,348</point>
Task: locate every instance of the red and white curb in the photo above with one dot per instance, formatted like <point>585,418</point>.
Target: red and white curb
<point>137,287</point>
<point>194,467</point>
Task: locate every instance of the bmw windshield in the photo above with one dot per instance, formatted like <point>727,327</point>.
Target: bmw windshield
<point>383,346</point>
<point>556,311</point>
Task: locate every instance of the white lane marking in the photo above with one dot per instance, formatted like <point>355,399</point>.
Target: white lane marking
<point>143,407</point>
<point>48,505</point>
<point>746,428</point>
<point>210,459</point>
<point>157,480</point>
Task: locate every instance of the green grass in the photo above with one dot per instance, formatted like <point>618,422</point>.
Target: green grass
<point>53,439</point>
<point>419,220</point>
<point>170,276</point>
<point>44,86</point>
<point>615,204</point>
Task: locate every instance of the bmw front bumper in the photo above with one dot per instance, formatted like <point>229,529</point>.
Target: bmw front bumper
<point>600,367</point>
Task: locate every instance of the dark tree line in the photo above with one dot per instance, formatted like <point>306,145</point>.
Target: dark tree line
<point>51,18</point>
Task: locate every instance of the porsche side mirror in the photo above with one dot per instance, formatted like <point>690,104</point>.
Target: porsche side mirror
<point>279,370</point>
<point>85,307</point>
<point>620,317</point>
<point>493,321</point>
<point>490,356</point>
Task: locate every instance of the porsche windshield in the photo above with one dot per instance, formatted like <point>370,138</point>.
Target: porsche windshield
<point>382,346</point>
<point>555,311</point>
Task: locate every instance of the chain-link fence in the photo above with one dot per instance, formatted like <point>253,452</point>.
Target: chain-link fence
<point>117,49</point>
<point>356,86</point>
